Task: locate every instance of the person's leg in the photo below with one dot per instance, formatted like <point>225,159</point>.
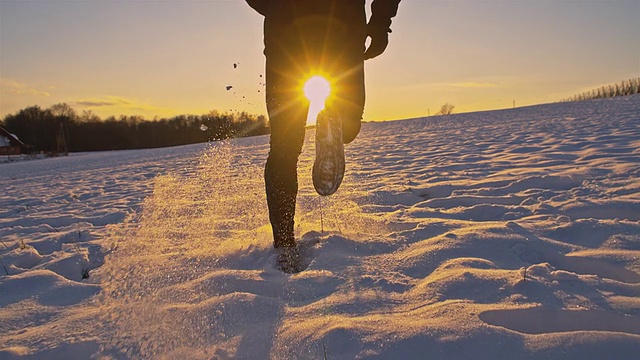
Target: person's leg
<point>295,47</point>
<point>351,99</point>
<point>343,53</point>
<point>287,118</point>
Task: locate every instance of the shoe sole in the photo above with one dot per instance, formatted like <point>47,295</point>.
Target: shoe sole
<point>328,168</point>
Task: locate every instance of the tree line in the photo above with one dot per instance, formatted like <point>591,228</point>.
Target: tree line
<point>60,129</point>
<point>624,88</point>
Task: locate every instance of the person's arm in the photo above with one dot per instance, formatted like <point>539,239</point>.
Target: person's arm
<point>379,26</point>
<point>381,13</point>
<point>260,6</point>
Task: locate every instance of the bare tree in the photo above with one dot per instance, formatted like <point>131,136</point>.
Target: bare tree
<point>65,114</point>
<point>88,116</point>
<point>446,109</point>
<point>63,111</point>
<point>624,88</point>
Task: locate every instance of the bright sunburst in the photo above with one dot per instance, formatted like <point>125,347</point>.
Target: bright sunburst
<point>316,89</point>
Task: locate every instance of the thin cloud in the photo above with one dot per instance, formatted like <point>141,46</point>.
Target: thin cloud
<point>470,84</point>
<point>106,101</point>
<point>122,104</point>
<point>18,88</point>
<point>96,103</point>
<point>449,86</point>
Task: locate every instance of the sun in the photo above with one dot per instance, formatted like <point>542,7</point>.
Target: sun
<point>317,90</point>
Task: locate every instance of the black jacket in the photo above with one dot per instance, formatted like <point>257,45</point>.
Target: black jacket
<point>381,10</point>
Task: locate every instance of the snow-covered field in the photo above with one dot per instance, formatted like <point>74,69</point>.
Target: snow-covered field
<point>510,234</point>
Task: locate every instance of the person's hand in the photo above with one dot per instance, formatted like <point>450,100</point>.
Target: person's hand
<point>379,42</point>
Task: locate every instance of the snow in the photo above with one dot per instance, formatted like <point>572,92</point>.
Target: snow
<point>508,234</point>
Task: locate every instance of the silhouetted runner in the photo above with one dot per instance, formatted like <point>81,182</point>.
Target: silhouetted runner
<point>304,38</point>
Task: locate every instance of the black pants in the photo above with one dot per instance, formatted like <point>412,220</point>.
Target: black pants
<point>313,43</point>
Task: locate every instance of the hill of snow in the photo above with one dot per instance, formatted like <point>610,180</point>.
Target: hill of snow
<point>511,234</point>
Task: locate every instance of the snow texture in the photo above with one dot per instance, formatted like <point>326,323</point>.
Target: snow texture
<point>510,234</point>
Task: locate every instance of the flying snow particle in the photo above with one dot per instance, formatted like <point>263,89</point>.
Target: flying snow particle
<point>204,127</point>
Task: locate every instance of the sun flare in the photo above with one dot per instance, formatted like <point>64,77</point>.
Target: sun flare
<point>317,90</point>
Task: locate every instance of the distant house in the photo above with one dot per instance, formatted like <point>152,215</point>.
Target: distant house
<point>10,144</point>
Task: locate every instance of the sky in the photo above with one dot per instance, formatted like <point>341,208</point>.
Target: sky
<point>165,58</point>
